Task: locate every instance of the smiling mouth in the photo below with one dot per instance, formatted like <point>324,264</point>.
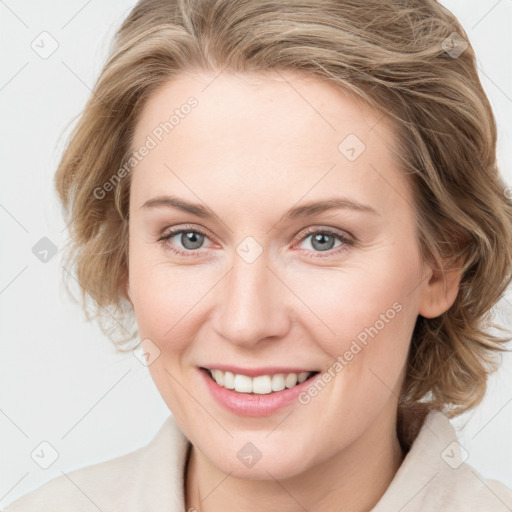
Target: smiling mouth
<point>261,385</point>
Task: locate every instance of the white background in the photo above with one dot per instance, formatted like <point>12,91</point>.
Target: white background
<point>60,379</point>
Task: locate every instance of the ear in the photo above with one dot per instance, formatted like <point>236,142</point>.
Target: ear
<point>440,292</point>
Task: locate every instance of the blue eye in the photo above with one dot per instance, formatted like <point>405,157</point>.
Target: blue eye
<point>191,240</point>
<point>323,241</point>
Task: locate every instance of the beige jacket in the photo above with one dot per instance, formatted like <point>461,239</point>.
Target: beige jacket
<point>432,478</point>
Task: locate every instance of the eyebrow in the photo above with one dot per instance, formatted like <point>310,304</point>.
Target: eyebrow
<point>308,209</point>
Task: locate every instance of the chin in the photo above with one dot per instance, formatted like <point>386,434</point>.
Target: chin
<point>254,460</point>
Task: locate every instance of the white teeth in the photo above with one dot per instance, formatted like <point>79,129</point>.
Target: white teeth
<point>229,380</point>
<point>278,382</point>
<point>261,385</point>
<point>303,376</point>
<point>291,380</point>
<point>218,376</point>
<point>243,384</point>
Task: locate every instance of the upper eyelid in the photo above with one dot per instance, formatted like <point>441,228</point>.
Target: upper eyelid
<point>173,231</point>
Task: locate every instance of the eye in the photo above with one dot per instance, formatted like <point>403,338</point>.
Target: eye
<point>190,239</point>
<point>323,240</point>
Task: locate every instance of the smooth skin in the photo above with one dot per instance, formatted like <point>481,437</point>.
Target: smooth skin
<point>254,147</point>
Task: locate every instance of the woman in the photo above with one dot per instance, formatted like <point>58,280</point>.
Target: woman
<point>224,144</point>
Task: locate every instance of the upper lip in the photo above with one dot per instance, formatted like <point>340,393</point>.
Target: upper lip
<point>255,372</point>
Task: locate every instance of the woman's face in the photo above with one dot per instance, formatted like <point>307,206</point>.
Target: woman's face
<point>259,281</point>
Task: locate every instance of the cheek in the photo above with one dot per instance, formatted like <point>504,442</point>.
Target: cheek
<point>160,302</point>
<point>359,303</point>
<point>372,314</point>
<point>168,299</point>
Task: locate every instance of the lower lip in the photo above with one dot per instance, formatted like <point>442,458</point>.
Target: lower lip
<point>253,404</point>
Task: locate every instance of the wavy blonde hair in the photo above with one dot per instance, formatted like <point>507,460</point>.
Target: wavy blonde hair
<point>394,56</point>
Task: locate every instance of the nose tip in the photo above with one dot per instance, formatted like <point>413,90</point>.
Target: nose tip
<point>252,305</point>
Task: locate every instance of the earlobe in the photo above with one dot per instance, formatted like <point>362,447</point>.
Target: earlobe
<point>440,292</point>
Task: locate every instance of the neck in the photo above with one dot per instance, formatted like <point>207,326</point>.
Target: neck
<point>355,477</point>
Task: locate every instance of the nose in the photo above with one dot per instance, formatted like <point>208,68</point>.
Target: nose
<point>254,304</point>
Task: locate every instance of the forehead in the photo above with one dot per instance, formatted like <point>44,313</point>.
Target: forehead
<point>291,104</point>
<point>262,133</point>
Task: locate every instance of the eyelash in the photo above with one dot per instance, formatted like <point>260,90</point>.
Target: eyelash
<point>316,254</point>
